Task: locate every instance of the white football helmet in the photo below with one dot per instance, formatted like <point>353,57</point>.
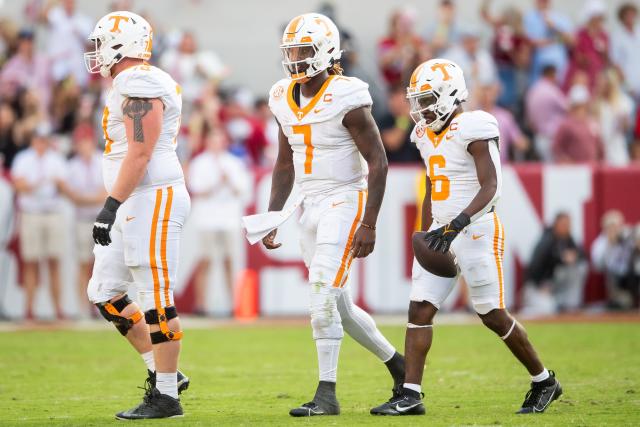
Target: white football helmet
<point>116,36</point>
<point>310,45</point>
<point>436,88</point>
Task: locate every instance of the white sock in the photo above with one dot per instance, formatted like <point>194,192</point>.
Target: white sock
<point>148,360</point>
<point>328,351</point>
<point>541,376</point>
<point>414,387</point>
<point>167,383</point>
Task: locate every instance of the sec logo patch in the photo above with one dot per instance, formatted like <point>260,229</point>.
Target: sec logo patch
<point>420,131</point>
<point>278,92</point>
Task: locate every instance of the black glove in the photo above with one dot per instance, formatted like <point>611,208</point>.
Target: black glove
<point>104,222</point>
<point>441,238</point>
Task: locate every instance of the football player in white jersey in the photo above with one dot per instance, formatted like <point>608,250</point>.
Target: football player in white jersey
<point>330,145</point>
<point>463,181</point>
<point>137,232</point>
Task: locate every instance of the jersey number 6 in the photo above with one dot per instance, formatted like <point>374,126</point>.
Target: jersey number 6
<point>443,192</point>
<point>305,131</point>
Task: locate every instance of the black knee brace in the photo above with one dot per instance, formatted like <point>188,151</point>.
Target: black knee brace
<point>160,317</point>
<point>111,311</point>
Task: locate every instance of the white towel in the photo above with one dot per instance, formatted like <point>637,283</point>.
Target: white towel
<point>259,225</point>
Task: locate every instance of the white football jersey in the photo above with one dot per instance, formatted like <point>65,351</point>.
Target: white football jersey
<point>451,169</point>
<point>143,81</point>
<point>325,157</point>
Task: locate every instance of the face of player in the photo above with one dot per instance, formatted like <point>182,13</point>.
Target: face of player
<point>298,58</point>
<point>422,107</point>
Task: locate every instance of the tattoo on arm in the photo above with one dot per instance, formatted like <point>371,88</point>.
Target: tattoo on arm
<point>136,109</point>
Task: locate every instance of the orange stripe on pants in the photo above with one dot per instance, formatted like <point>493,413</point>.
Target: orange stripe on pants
<point>498,246</point>
<point>163,245</point>
<point>501,249</point>
<point>337,282</point>
<point>152,250</point>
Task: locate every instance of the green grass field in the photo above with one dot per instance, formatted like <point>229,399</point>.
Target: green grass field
<point>252,375</point>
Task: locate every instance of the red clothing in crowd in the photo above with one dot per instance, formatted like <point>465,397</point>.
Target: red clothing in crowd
<point>590,55</point>
<point>577,141</point>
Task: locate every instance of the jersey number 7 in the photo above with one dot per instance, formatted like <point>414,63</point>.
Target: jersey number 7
<point>305,131</point>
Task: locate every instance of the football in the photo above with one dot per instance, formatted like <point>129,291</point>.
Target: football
<point>435,262</point>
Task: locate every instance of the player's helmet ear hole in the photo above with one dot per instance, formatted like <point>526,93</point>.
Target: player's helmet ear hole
<point>454,92</point>
<point>116,47</point>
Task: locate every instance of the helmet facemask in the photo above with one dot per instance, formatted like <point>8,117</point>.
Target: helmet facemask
<point>300,61</point>
<point>431,109</point>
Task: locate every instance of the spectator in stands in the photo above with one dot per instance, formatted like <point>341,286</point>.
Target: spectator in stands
<point>513,143</point>
<point>395,129</point>
<point>8,146</point>
<point>85,187</point>
<point>269,126</point>
<point>220,185</point>
<point>611,254</point>
<point>615,113</point>
<point>35,172</point>
<point>545,107</point>
<point>511,52</point>
<point>633,279</point>
<point>550,33</point>
<point>476,61</point>
<point>402,49</point>
<point>590,52</point>
<point>65,105</point>
<point>68,31</point>
<point>193,68</point>
<point>557,271</point>
<point>445,30</point>
<point>30,115</point>
<point>26,69</point>
<point>243,128</point>
<point>625,45</point>
<point>8,39</point>
<point>206,114</point>
<point>577,139</point>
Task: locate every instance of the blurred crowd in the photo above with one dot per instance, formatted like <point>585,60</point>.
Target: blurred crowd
<point>563,89</point>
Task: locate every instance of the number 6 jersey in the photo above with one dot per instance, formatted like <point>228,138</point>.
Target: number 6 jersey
<point>325,157</point>
<point>451,168</point>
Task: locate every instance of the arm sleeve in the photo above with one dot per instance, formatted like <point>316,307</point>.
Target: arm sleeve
<point>478,126</point>
<point>354,94</point>
<point>141,84</point>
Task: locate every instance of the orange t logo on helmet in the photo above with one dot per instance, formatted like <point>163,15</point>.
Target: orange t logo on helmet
<point>443,68</point>
<point>116,22</point>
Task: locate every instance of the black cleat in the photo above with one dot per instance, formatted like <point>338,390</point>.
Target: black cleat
<point>405,402</point>
<point>154,405</point>
<point>323,403</point>
<point>541,395</point>
<point>183,381</point>
<point>311,409</point>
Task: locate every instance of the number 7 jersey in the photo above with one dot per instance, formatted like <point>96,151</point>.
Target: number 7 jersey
<point>450,166</point>
<point>325,157</point>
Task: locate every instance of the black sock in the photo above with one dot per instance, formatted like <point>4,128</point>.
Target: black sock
<point>396,368</point>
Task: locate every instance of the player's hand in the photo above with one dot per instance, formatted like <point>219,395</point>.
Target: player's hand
<point>104,222</point>
<point>363,242</point>
<point>269,240</point>
<point>441,238</point>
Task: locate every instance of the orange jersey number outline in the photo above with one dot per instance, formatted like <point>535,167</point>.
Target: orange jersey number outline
<point>443,193</point>
<point>305,131</point>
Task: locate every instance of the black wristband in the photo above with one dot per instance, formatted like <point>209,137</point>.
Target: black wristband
<point>111,204</point>
<point>461,221</point>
